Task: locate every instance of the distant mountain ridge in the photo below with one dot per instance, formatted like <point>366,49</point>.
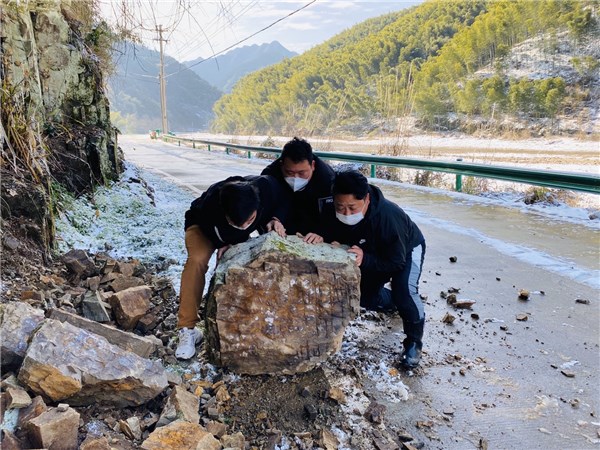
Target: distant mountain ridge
<point>134,93</point>
<point>483,66</point>
<point>225,70</point>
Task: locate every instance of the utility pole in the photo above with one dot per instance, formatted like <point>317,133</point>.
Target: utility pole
<point>163,83</point>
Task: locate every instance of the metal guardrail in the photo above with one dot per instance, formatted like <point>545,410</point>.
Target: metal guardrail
<point>553,179</point>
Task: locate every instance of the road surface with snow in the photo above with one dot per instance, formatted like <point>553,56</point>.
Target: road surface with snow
<point>488,378</point>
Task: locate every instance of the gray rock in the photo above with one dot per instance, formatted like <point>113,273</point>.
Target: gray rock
<point>66,362</point>
<point>17,322</point>
<point>143,346</point>
<point>94,307</point>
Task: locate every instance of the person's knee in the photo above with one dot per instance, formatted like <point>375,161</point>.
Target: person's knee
<point>197,262</point>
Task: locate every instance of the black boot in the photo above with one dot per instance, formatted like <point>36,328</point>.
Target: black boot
<point>411,356</point>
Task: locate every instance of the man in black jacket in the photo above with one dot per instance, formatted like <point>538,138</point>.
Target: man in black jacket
<point>307,181</point>
<point>226,213</point>
<point>388,246</point>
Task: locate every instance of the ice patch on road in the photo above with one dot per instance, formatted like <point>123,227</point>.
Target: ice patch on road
<point>528,255</point>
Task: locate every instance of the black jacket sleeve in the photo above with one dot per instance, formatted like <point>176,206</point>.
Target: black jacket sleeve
<point>396,235</point>
<point>273,201</point>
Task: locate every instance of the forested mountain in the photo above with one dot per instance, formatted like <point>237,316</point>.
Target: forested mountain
<point>134,93</point>
<point>225,70</point>
<point>440,63</point>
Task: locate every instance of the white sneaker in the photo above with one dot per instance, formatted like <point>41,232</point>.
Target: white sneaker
<point>188,339</point>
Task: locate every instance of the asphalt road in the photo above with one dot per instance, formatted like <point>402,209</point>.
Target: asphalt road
<point>488,379</point>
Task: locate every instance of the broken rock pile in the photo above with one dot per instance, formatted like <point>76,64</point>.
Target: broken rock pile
<point>83,345</point>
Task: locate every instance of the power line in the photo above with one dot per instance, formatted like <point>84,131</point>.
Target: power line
<point>230,17</point>
<point>245,39</point>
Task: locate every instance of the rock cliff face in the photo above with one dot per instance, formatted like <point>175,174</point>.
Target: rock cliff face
<point>55,115</point>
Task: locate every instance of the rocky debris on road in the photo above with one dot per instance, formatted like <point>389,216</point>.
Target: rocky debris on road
<point>451,298</point>
<point>59,303</point>
<point>280,305</point>
<point>101,383</point>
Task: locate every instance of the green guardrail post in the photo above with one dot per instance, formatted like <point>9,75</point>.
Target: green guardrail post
<point>227,150</point>
<point>209,147</point>
<point>249,154</point>
<point>179,143</point>
<point>458,184</point>
<point>373,169</point>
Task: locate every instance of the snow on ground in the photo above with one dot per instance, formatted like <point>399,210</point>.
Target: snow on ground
<point>552,144</point>
<point>129,220</point>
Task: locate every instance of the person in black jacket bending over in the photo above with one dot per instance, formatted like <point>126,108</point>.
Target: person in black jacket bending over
<point>225,214</point>
<point>388,247</point>
<point>307,180</point>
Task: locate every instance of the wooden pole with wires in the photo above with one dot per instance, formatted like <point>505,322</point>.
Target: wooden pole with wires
<point>163,83</point>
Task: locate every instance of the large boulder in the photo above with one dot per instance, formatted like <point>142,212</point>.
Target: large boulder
<point>64,362</point>
<point>280,305</point>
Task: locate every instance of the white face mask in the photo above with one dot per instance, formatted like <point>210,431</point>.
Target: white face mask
<point>241,228</point>
<point>351,219</point>
<point>296,183</point>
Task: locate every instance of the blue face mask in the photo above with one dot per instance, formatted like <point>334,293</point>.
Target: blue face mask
<point>351,219</point>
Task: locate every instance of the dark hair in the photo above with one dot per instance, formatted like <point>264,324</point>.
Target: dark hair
<point>297,150</point>
<point>239,200</point>
<point>351,182</point>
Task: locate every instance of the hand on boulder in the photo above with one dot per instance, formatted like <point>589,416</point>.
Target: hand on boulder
<point>311,238</point>
<point>221,251</point>
<point>277,226</point>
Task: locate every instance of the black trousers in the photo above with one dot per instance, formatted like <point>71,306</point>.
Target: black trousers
<point>404,295</point>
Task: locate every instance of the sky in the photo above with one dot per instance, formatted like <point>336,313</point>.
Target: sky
<point>205,28</point>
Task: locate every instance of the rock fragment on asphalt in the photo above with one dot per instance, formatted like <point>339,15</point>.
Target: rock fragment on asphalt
<point>374,413</point>
<point>463,304</point>
<point>448,318</point>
